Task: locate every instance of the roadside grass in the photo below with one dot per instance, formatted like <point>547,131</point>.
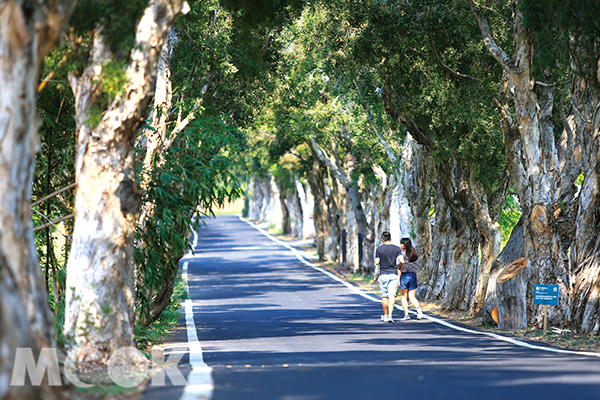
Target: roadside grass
<point>156,332</point>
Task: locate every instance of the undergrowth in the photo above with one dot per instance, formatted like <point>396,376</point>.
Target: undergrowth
<point>156,332</point>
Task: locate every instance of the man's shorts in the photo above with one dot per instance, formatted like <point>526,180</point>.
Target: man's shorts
<point>388,284</point>
<point>408,280</point>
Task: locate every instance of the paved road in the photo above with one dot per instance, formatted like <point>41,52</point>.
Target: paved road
<point>273,328</point>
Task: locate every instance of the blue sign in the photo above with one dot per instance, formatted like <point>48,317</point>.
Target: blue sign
<point>545,294</point>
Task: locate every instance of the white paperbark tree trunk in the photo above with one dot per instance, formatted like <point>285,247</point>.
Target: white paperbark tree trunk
<point>454,259</point>
<point>27,33</point>
<point>293,204</point>
<point>325,212</point>
<point>351,188</point>
<point>400,213</point>
<point>584,303</point>
<point>307,202</point>
<point>100,270</point>
<point>490,242</point>
<point>418,193</point>
<point>536,157</point>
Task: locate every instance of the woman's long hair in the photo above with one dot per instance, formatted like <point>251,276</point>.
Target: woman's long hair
<point>411,253</point>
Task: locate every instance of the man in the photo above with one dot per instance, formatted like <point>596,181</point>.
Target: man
<point>387,256</point>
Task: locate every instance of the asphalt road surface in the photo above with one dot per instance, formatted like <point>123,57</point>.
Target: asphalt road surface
<point>272,327</point>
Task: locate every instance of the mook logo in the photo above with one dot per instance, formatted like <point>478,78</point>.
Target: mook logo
<point>127,367</point>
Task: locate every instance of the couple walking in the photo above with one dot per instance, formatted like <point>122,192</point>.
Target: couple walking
<point>398,267</point>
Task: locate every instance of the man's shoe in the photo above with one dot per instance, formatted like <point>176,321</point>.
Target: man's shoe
<point>419,313</point>
<point>384,318</point>
<point>406,317</point>
<point>390,319</point>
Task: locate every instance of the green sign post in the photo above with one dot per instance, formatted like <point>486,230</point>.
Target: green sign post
<point>545,294</point>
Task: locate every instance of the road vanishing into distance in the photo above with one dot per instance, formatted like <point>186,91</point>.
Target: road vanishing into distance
<point>262,324</point>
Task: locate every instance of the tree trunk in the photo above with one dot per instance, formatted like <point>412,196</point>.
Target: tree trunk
<point>256,200</point>
<point>512,286</point>
<point>100,271</point>
<point>266,201</point>
<point>536,181</point>
<point>400,214</point>
<point>351,188</point>
<point>325,212</point>
<point>27,33</point>
<point>418,193</point>
<point>155,140</point>
<point>584,302</point>
<point>451,270</point>
<point>401,219</point>
<point>307,202</point>
<point>490,241</point>
<point>381,208</point>
<point>509,254</point>
<point>293,204</point>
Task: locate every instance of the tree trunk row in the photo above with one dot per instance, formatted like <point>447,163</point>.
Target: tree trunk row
<point>27,33</point>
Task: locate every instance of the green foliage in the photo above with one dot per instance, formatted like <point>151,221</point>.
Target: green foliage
<point>221,63</point>
<point>407,49</point>
<point>509,217</point>
<point>311,96</point>
<point>193,176</point>
<point>558,26</point>
<point>54,170</point>
<point>118,20</point>
<point>337,58</point>
<point>147,336</point>
<point>253,13</point>
<point>113,80</point>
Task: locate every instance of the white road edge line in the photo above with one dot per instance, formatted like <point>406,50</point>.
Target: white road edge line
<point>368,296</point>
<point>200,384</point>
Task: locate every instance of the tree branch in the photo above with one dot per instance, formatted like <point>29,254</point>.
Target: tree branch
<point>456,74</point>
<point>489,42</point>
<point>388,149</point>
<point>420,135</point>
<point>550,85</point>
<point>321,156</point>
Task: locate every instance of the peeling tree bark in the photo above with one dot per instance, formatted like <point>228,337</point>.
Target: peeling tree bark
<point>486,217</point>
<point>359,213</point>
<point>511,289</point>
<point>100,270</point>
<point>454,259</point>
<point>534,156</point>
<point>584,302</point>
<point>27,33</point>
<point>324,214</point>
<point>510,253</point>
<point>418,193</point>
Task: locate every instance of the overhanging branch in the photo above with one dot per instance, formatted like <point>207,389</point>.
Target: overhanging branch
<point>321,156</point>
<point>456,74</point>
<point>488,40</point>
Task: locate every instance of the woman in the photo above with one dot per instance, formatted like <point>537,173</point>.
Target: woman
<point>407,274</point>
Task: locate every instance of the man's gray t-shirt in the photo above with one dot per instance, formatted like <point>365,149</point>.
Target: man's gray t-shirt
<point>387,254</point>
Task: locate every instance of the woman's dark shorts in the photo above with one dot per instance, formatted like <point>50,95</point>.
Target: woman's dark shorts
<point>408,280</point>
